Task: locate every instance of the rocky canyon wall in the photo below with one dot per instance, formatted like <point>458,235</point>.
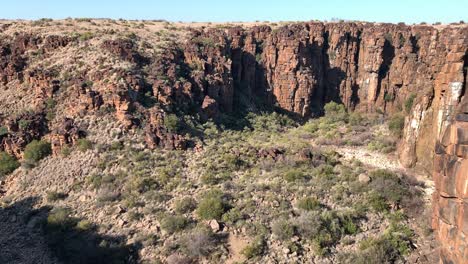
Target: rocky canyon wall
<point>417,71</point>
<point>450,211</point>
<point>300,67</point>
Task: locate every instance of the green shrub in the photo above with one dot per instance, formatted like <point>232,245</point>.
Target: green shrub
<point>282,229</point>
<point>198,242</point>
<point>204,41</point>
<point>377,202</point>
<point>65,151</point>
<point>50,103</point>
<point>232,216</point>
<point>50,115</point>
<point>383,145</point>
<point>209,178</point>
<point>84,225</point>
<point>24,124</point>
<point>85,36</point>
<point>388,97</point>
<point>355,119</point>
<point>273,122</point>
<point>3,131</point>
<point>60,217</point>
<point>8,164</point>
<point>84,144</point>
<point>37,150</point>
<point>308,204</point>
<point>293,175</point>
<point>171,122</point>
<point>116,145</point>
<point>254,249</point>
<point>388,185</point>
<point>173,223</point>
<point>185,205</point>
<point>409,103</point>
<point>54,196</point>
<point>388,248</point>
<point>396,125</point>
<point>211,208</point>
<point>335,112</point>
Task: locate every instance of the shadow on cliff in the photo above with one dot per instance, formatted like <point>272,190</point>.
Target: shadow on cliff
<point>45,235</point>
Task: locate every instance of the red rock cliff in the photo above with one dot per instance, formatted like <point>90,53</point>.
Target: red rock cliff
<point>300,67</point>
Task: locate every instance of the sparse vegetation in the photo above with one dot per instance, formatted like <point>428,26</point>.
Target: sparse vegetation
<point>396,125</point>
<point>55,196</point>
<point>308,204</point>
<point>84,144</point>
<point>37,150</point>
<point>171,122</point>
<point>173,223</point>
<point>282,229</point>
<point>255,248</point>
<point>8,164</point>
<point>211,206</point>
<point>185,205</point>
<point>409,103</point>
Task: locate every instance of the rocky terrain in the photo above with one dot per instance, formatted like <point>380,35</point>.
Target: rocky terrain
<point>156,142</point>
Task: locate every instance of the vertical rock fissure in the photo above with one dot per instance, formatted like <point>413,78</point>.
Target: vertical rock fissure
<point>388,53</point>
<point>355,86</point>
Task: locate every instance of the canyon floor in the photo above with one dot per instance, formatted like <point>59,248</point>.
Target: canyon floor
<point>275,191</point>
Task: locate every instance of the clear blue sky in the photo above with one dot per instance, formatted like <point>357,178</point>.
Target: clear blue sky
<point>409,11</point>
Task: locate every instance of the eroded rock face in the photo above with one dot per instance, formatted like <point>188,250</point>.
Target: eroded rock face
<point>125,49</point>
<point>157,135</point>
<point>12,53</point>
<point>450,206</point>
<point>66,133</point>
<point>21,130</point>
<point>301,67</point>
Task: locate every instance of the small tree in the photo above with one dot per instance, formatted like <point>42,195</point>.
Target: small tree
<point>37,150</point>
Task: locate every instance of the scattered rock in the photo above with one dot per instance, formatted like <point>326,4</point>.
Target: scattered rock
<point>215,226</point>
<point>363,178</point>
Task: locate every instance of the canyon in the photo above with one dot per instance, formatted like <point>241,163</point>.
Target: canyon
<point>212,72</point>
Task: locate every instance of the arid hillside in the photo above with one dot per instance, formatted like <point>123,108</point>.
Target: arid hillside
<point>159,142</point>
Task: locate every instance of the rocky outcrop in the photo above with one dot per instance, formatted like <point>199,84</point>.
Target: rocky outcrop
<point>125,49</point>
<point>157,135</point>
<point>44,84</point>
<point>12,53</point>
<point>450,206</point>
<point>65,134</point>
<point>21,130</point>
